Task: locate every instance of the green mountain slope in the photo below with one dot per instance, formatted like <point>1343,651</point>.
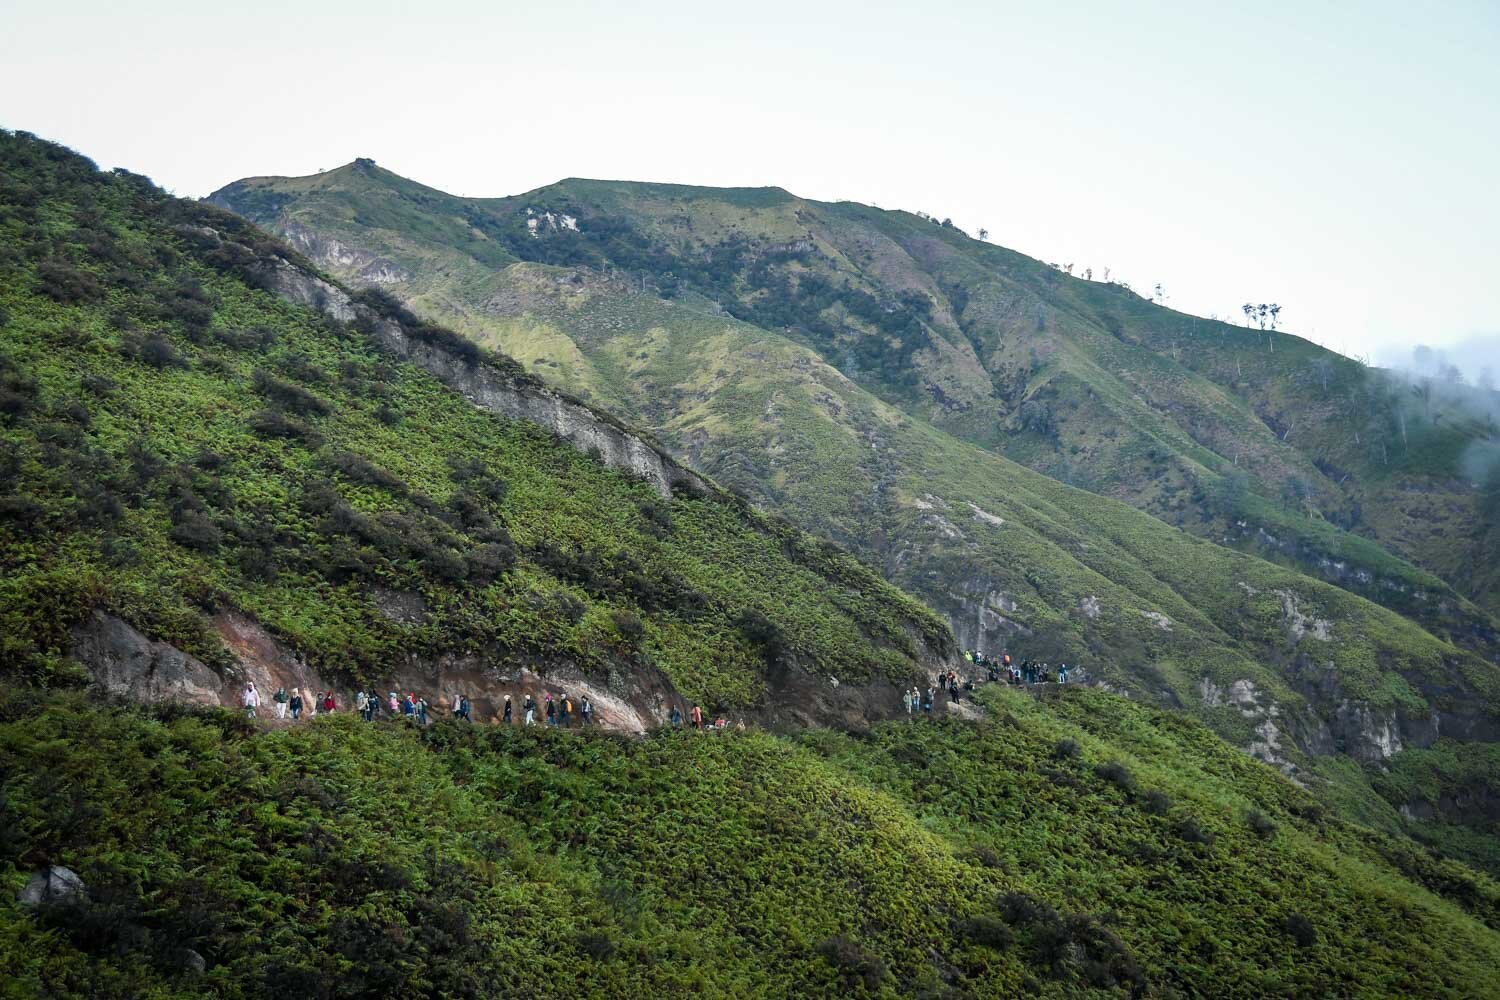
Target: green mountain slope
<point>817,357</point>
<point>1080,846</point>
<point>181,444</point>
<point>1262,440</point>
<point>201,435</point>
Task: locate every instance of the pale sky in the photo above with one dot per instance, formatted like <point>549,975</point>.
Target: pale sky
<point>1338,158</point>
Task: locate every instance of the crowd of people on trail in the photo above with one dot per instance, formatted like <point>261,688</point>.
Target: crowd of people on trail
<point>997,669</point>
<point>1002,668</point>
<point>560,712</point>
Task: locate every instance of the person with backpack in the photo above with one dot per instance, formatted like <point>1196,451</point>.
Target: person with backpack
<point>927,700</point>
<point>587,710</point>
<point>250,698</point>
<point>507,716</point>
<point>328,703</point>
<point>280,699</point>
<point>551,710</point>
<point>296,704</point>
<point>409,705</point>
<point>464,708</point>
<point>530,707</point>
<point>567,711</point>
<point>1062,673</point>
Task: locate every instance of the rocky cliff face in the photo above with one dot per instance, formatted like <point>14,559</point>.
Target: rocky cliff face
<point>513,396</point>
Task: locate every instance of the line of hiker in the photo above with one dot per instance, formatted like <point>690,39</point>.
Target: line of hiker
<point>697,720</point>
<point>559,712</point>
<point>284,703</point>
<point>997,669</point>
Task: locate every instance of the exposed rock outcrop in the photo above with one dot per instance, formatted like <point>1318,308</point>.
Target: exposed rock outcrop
<point>125,662</point>
<point>52,886</point>
<point>510,395</point>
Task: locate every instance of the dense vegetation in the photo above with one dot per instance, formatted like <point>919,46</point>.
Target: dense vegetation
<point>177,442</point>
<point>1076,844</point>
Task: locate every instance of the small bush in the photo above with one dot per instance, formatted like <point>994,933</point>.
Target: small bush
<point>596,945</point>
<point>489,561</point>
<point>987,932</point>
<point>1117,774</point>
<point>1156,802</point>
<point>269,423</point>
<point>195,531</point>
<point>1190,831</point>
<point>1066,750</point>
<point>358,469</point>
<point>1301,930</point>
<point>62,282</point>
<point>1260,824</point>
<point>99,385</point>
<point>856,964</point>
<point>628,625</point>
<point>159,353</point>
<point>288,396</point>
<point>445,564</point>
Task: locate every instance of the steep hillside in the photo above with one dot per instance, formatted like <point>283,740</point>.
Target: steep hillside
<point>204,480</point>
<point>1081,846</point>
<point>709,317</point>
<point>1259,439</point>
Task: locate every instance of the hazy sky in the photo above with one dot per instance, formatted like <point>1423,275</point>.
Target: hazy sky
<point>1339,158</point>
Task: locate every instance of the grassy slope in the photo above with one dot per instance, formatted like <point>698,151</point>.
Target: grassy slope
<point>176,441</point>
<point>337,858</point>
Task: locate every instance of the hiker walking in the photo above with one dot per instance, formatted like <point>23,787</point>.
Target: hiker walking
<point>280,699</point>
<point>567,710</point>
<point>464,708</point>
<point>587,708</point>
<point>328,703</point>
<point>422,710</point>
<point>927,700</point>
<point>296,704</point>
<point>507,709</point>
<point>697,716</point>
<point>530,707</point>
<point>906,701</point>
<point>1062,673</point>
<point>676,716</point>
<point>250,698</point>
<point>456,704</point>
<point>551,710</point>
